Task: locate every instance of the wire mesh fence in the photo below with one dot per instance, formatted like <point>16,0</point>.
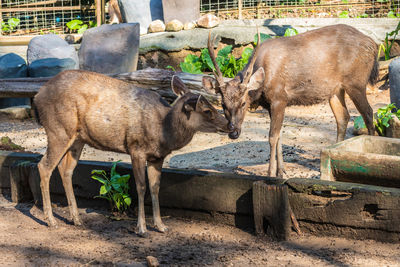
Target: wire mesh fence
<point>264,9</point>
<point>32,17</point>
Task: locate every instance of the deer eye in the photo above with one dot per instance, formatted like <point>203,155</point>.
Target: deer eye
<point>243,104</point>
<point>207,112</point>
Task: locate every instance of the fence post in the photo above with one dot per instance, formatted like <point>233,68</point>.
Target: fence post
<point>240,4</point>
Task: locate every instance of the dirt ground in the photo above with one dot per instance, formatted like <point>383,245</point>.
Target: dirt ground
<point>25,240</point>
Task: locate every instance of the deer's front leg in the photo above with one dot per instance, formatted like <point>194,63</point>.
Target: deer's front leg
<point>277,113</point>
<point>139,167</point>
<point>154,174</point>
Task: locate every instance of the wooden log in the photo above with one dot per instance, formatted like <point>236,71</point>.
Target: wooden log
<point>153,79</point>
<point>271,210</point>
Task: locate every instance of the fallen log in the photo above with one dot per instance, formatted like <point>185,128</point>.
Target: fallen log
<point>153,79</point>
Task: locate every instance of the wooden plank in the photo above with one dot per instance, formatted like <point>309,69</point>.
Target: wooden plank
<point>271,210</point>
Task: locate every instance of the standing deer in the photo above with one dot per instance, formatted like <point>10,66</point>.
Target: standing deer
<point>79,107</point>
<point>305,69</point>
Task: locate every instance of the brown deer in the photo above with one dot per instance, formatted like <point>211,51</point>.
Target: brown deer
<point>305,69</point>
<point>79,107</point>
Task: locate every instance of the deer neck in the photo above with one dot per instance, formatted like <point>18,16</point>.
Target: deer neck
<point>177,131</point>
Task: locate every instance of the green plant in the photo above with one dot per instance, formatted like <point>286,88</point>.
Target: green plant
<point>80,27</point>
<point>344,14</point>
<point>383,116</point>
<point>386,46</point>
<point>10,25</point>
<point>115,188</point>
<point>229,65</point>
<point>392,15</point>
<point>263,37</point>
<point>290,32</point>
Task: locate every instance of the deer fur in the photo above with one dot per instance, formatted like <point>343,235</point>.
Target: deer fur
<point>309,68</point>
<point>78,107</point>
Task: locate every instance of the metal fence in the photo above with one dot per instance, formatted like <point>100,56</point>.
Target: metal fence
<point>30,17</point>
<point>264,9</point>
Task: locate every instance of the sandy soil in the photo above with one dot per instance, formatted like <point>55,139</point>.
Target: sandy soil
<point>26,240</point>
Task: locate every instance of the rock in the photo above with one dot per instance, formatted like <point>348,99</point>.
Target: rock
<point>184,11</point>
<point>152,261</point>
<point>394,82</point>
<point>50,46</point>
<point>12,66</point>
<point>141,11</point>
<point>208,21</point>
<point>174,26</point>
<point>49,67</point>
<point>189,26</point>
<point>110,48</point>
<point>157,26</point>
<point>17,112</point>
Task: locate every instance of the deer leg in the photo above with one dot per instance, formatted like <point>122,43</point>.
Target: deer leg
<point>359,98</point>
<point>339,109</point>
<point>66,168</point>
<point>139,171</point>
<point>277,114</point>
<point>154,175</point>
<point>57,146</point>
<point>281,169</point>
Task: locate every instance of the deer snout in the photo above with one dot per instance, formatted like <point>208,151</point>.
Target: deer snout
<point>234,134</point>
<point>231,127</point>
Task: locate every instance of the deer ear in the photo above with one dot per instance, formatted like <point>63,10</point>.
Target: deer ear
<point>256,80</point>
<point>191,104</point>
<point>210,84</point>
<point>178,87</point>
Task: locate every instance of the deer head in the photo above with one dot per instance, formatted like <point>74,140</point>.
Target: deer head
<point>238,93</point>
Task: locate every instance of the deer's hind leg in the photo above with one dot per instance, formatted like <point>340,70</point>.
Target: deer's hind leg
<point>339,109</point>
<point>66,168</point>
<point>57,145</point>
<point>359,97</point>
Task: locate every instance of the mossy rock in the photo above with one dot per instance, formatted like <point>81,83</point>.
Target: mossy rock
<point>7,144</point>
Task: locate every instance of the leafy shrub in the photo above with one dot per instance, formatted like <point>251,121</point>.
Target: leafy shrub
<point>10,25</point>
<point>229,65</point>
<point>383,116</point>
<point>386,46</point>
<point>290,32</point>
<point>115,188</point>
<point>80,27</point>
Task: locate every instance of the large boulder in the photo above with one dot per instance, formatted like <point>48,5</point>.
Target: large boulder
<point>174,26</point>
<point>141,11</point>
<point>208,21</point>
<point>12,66</point>
<point>184,11</point>
<point>394,82</point>
<point>48,67</point>
<point>50,46</point>
<point>110,48</point>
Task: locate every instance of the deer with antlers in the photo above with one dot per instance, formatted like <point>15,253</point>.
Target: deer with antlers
<point>313,67</point>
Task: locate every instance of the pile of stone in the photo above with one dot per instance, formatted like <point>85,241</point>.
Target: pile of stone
<point>206,21</point>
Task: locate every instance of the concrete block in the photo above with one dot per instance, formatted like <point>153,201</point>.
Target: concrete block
<point>184,11</point>
<point>48,67</point>
<point>110,48</point>
<point>394,82</point>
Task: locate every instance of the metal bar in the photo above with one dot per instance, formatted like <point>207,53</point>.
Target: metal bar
<point>57,8</point>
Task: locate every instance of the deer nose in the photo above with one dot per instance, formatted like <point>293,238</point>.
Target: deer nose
<point>231,126</point>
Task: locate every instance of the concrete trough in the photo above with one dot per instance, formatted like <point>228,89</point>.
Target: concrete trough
<point>321,207</point>
<point>364,159</point>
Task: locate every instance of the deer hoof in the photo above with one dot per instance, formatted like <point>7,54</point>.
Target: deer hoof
<point>143,234</point>
<point>162,228</point>
<point>52,224</point>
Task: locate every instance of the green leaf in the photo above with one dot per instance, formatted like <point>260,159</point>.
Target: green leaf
<point>290,32</point>
<point>117,187</point>
<point>190,67</point>
<point>263,37</point>
<point>247,52</point>
<point>359,123</point>
<point>13,22</point>
<point>224,52</point>
<point>122,179</point>
<point>92,24</point>
<point>205,57</point>
<point>191,59</point>
<point>83,29</point>
<point>170,67</point>
<point>101,180</point>
<point>100,172</point>
<point>127,200</point>
<point>74,24</point>
<point>344,14</point>
<point>104,189</point>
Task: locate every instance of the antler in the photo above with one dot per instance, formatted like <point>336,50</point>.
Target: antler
<point>217,72</point>
<point>249,71</point>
